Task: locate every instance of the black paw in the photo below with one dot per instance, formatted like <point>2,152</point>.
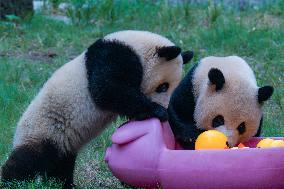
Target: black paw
<point>160,112</point>
<point>187,143</point>
<point>142,116</point>
<point>156,111</point>
<point>188,138</point>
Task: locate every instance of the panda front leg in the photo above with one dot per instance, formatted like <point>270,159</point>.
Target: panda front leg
<point>186,135</point>
<point>185,132</point>
<point>140,107</point>
<point>131,102</point>
<point>42,158</point>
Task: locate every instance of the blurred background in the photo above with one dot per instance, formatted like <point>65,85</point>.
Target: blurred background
<point>37,37</point>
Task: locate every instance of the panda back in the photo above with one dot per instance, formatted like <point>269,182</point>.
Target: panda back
<point>63,111</point>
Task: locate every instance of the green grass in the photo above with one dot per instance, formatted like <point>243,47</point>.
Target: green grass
<point>26,47</point>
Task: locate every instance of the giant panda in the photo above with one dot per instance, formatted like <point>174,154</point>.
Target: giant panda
<point>127,73</point>
<point>218,93</point>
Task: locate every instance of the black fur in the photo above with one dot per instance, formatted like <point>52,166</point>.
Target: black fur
<point>115,75</point>
<point>259,128</point>
<point>169,52</point>
<point>181,110</point>
<point>242,128</point>
<point>187,56</point>
<point>218,121</point>
<point>264,93</point>
<point>216,78</point>
<point>44,158</point>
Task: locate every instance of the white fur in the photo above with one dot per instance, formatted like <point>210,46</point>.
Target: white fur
<point>236,101</point>
<point>64,112</point>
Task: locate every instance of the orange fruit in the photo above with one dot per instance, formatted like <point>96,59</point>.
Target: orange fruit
<point>241,145</point>
<point>211,139</point>
<point>277,143</point>
<point>265,143</point>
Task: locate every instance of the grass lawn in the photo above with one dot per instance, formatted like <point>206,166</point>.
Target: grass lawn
<point>31,50</point>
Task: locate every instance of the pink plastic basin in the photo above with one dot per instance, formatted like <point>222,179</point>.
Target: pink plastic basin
<point>145,154</point>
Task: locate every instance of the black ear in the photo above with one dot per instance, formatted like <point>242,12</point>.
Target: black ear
<point>264,93</point>
<point>169,52</point>
<point>216,78</point>
<point>187,56</point>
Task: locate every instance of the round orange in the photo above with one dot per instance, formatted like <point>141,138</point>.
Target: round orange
<point>265,143</point>
<point>277,143</point>
<point>211,139</point>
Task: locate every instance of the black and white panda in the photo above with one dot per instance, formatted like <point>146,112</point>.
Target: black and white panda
<point>218,93</point>
<point>127,73</point>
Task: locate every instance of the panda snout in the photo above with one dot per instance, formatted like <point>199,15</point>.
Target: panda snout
<point>231,135</point>
<point>163,100</point>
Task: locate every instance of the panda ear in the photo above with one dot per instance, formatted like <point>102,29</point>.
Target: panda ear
<point>187,56</point>
<point>264,93</point>
<point>169,52</point>
<point>216,78</point>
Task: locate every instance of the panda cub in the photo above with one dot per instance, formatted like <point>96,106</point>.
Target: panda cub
<point>218,93</point>
<point>127,73</point>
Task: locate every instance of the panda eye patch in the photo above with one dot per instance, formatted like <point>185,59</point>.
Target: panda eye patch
<point>162,87</point>
<point>218,121</point>
<point>242,128</point>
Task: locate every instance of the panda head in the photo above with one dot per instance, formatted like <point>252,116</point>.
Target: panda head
<point>228,98</point>
<point>161,61</point>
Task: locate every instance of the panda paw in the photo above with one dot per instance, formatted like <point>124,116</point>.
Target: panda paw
<point>187,139</point>
<point>156,111</point>
<point>187,143</point>
<point>161,113</point>
<point>142,116</point>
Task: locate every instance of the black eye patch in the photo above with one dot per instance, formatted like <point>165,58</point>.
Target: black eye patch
<point>227,143</point>
<point>242,128</point>
<point>218,121</point>
<point>163,87</point>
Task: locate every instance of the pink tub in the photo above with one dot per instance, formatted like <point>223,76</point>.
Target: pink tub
<point>144,154</point>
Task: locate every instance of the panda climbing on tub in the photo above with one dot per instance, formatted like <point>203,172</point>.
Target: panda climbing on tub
<point>127,73</point>
<point>218,93</point>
